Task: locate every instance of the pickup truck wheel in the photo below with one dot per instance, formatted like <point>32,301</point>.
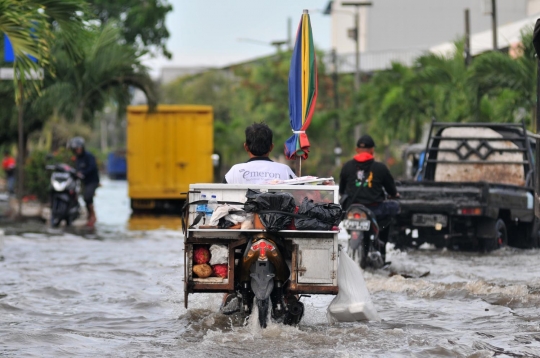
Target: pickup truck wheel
<point>534,240</point>
<point>501,238</point>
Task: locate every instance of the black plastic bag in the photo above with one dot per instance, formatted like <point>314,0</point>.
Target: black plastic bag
<point>273,208</point>
<point>311,224</point>
<point>318,216</point>
<point>225,224</point>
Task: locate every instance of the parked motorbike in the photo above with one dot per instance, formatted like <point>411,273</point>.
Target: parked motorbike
<point>365,246</point>
<point>263,278</point>
<point>65,189</point>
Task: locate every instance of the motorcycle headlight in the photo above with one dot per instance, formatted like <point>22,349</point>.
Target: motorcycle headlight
<point>59,186</point>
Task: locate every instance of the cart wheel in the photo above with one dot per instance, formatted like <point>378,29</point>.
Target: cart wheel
<point>263,305</point>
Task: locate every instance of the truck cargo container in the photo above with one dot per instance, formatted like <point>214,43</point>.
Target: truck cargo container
<point>167,149</point>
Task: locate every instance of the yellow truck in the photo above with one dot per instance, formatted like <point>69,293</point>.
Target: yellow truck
<point>167,150</point>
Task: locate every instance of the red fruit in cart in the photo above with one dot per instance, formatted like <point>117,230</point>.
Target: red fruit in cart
<point>221,270</point>
<point>201,255</point>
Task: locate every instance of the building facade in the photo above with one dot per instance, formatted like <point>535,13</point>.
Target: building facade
<point>399,30</point>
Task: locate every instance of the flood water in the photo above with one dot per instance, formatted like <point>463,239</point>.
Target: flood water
<point>118,292</point>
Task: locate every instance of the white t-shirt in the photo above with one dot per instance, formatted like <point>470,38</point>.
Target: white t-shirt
<point>258,170</point>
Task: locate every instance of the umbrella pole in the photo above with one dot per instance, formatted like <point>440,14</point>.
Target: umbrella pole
<point>298,166</point>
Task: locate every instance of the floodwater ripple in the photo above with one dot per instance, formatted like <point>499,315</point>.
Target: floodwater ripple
<point>115,292</point>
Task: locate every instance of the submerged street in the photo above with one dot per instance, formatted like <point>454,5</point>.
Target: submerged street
<point>118,292</point>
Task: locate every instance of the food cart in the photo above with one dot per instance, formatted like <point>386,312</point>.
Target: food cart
<point>313,261</point>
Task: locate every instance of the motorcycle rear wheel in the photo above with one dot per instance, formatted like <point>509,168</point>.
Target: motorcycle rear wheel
<point>262,306</point>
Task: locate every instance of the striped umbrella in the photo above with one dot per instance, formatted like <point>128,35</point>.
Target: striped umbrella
<point>302,90</point>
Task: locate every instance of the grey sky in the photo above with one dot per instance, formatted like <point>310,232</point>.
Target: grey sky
<point>206,32</point>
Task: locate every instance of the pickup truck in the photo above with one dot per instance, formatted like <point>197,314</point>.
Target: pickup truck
<point>473,190</point>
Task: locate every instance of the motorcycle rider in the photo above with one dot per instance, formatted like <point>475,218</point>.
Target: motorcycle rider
<point>257,170</point>
<point>86,167</point>
<point>364,180</point>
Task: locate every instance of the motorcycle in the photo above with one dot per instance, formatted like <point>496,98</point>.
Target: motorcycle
<point>365,246</point>
<point>263,276</point>
<point>65,189</point>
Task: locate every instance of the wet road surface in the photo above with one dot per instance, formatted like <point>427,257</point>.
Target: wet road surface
<point>118,292</point>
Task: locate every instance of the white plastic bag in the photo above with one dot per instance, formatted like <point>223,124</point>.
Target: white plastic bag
<point>219,254</point>
<point>222,211</point>
<point>352,302</point>
<point>236,218</point>
<point>248,223</point>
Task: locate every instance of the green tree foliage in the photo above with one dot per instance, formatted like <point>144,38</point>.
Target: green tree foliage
<point>256,92</point>
<point>142,22</point>
<point>396,103</point>
<point>30,26</point>
<point>507,85</point>
<point>108,69</point>
<point>37,177</point>
<point>392,105</point>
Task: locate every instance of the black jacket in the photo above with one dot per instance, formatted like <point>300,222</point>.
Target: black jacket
<point>365,178</point>
<point>86,165</point>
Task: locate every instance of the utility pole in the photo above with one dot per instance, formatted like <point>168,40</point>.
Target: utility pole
<point>357,78</point>
<point>355,35</point>
<point>335,77</point>
<point>289,34</point>
<point>494,23</point>
<point>467,38</point>
<point>335,80</point>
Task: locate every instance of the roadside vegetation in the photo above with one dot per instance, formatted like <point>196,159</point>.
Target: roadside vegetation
<point>92,55</point>
<point>394,106</point>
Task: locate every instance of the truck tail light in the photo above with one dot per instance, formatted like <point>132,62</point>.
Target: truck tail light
<point>470,211</point>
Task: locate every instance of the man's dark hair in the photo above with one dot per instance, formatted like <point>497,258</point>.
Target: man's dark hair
<point>259,139</point>
<point>7,152</point>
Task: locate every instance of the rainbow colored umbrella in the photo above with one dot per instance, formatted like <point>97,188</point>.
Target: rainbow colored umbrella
<point>302,90</point>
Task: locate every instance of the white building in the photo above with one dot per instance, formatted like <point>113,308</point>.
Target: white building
<point>400,30</point>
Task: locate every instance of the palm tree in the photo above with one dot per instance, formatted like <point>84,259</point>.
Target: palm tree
<point>508,84</point>
<point>108,69</point>
<point>447,80</point>
<point>30,25</point>
<point>392,105</point>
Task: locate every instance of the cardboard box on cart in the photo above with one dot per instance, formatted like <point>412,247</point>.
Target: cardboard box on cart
<point>313,263</point>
